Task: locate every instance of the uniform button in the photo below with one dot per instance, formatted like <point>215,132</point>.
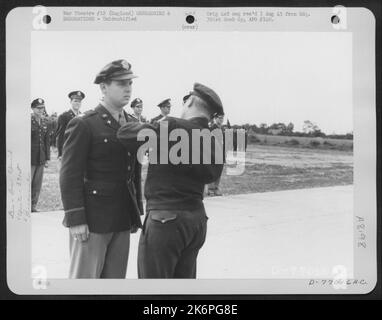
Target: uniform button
<point>94,191</point>
<point>105,140</point>
<point>128,168</point>
<point>129,154</point>
<point>163,221</point>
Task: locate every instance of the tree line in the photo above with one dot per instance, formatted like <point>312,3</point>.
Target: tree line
<point>309,129</point>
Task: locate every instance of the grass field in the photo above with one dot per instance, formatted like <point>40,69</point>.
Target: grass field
<point>267,168</point>
<point>303,142</point>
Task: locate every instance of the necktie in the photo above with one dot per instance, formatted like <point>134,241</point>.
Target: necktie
<point>121,119</point>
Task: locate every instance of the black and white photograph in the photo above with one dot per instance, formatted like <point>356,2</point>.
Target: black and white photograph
<point>213,153</point>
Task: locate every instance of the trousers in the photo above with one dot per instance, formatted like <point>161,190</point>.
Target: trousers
<point>170,242</point>
<point>102,256</point>
<point>37,173</point>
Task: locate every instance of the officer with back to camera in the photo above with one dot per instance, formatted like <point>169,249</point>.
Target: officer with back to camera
<point>176,222</point>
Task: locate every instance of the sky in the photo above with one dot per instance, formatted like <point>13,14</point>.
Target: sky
<point>261,77</point>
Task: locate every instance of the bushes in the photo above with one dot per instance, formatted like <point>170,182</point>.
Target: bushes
<point>253,139</point>
<point>314,143</point>
<point>292,142</point>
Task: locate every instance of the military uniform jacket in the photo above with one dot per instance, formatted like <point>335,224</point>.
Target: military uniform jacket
<point>174,186</point>
<point>133,118</point>
<point>156,119</point>
<point>40,142</point>
<point>98,183</point>
<point>62,123</point>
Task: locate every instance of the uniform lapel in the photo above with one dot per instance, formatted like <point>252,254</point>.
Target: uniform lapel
<point>126,115</point>
<point>107,118</point>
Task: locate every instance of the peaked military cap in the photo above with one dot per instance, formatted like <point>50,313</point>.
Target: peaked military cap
<point>37,102</point>
<point>165,103</point>
<point>76,95</point>
<point>136,102</point>
<point>209,96</point>
<point>116,70</point>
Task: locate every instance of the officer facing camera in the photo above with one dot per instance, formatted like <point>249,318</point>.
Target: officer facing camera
<point>76,98</point>
<point>40,145</point>
<point>100,189</point>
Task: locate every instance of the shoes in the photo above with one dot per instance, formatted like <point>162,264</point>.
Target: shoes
<point>218,193</point>
<point>34,210</point>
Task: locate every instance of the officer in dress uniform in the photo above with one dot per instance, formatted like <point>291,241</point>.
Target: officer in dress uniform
<point>76,98</point>
<point>165,108</point>
<point>100,192</point>
<point>176,223</point>
<point>40,145</point>
<point>137,106</point>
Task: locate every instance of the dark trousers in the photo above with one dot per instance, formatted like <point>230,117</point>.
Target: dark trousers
<point>37,173</point>
<point>170,242</point>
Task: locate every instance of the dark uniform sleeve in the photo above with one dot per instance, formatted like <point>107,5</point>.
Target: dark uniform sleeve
<point>73,167</point>
<point>61,125</point>
<point>138,186</point>
<point>128,134</point>
<point>208,173</point>
<point>137,173</point>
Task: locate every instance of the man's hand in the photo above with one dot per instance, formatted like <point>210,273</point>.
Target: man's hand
<point>80,233</point>
<point>59,158</point>
<point>46,164</point>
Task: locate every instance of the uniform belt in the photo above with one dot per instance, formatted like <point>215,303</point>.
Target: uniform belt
<point>116,182</point>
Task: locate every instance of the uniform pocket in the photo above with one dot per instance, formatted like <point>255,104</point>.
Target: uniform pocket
<point>163,216</point>
<point>102,146</point>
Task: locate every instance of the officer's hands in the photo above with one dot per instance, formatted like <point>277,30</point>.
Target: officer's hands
<point>46,164</point>
<point>59,158</point>
<point>80,233</point>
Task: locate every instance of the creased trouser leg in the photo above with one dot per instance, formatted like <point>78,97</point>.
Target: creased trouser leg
<point>101,256</point>
<point>117,255</point>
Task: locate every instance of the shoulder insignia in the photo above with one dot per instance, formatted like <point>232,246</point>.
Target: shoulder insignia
<point>87,114</point>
